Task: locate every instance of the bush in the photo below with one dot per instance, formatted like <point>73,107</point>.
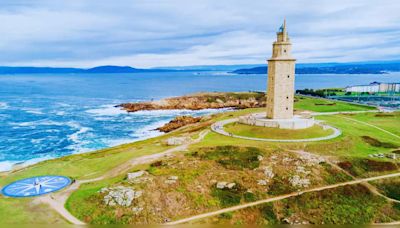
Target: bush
<point>376,143</point>
<point>359,166</point>
<point>267,212</point>
<point>227,215</point>
<point>228,197</point>
<point>232,157</point>
<point>250,197</point>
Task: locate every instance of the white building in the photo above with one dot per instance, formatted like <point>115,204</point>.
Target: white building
<point>375,87</point>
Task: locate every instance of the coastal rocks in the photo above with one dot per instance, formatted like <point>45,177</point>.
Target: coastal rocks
<point>137,210</point>
<point>178,122</point>
<point>268,172</point>
<point>172,180</point>
<point>176,141</point>
<point>120,195</point>
<point>311,160</point>
<point>138,177</point>
<point>134,175</point>
<point>262,182</point>
<point>201,101</point>
<point>381,155</point>
<point>297,181</point>
<point>223,184</point>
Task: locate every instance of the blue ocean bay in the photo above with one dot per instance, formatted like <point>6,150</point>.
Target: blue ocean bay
<point>52,115</point>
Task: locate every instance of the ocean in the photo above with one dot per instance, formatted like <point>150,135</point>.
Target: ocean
<point>48,116</point>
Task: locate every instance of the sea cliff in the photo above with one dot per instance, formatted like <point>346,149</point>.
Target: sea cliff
<point>201,101</point>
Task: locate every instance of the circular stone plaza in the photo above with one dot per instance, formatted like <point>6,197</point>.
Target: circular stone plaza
<point>280,101</point>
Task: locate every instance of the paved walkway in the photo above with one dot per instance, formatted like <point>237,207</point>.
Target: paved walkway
<point>218,127</point>
<point>281,197</point>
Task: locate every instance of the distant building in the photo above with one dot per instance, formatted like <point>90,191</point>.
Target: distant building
<point>375,87</point>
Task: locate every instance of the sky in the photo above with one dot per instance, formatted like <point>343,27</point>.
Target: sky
<point>157,33</point>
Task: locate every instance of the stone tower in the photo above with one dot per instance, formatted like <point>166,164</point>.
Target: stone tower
<point>281,66</point>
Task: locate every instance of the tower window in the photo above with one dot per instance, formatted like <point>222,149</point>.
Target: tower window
<point>284,50</point>
<point>287,97</point>
<point>287,108</point>
<point>288,76</point>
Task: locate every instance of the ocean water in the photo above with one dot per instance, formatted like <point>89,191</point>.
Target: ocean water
<point>48,116</point>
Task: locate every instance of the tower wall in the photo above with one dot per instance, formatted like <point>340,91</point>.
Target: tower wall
<point>280,94</point>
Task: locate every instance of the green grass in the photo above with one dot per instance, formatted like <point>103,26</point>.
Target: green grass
<point>344,205</point>
<point>232,157</point>
<point>351,143</point>
<point>276,133</point>
<point>389,187</point>
<point>85,205</point>
<point>23,211</point>
<point>323,105</point>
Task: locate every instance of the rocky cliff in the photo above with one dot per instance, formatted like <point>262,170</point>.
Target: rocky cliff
<point>201,101</point>
<point>178,122</point>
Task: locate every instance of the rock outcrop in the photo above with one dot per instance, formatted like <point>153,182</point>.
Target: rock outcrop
<point>178,122</point>
<point>120,195</point>
<point>201,101</point>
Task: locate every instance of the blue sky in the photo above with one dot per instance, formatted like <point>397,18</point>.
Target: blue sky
<point>151,33</point>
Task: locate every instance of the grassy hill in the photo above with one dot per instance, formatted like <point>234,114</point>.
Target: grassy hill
<point>186,183</point>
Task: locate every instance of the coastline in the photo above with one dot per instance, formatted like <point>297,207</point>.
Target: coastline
<point>152,130</point>
<point>199,102</point>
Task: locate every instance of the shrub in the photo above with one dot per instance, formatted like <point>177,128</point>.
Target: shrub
<point>228,197</point>
<point>232,157</point>
<point>227,215</point>
<point>250,197</point>
<point>376,143</point>
<point>267,212</point>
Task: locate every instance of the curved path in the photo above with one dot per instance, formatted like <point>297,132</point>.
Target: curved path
<point>57,200</point>
<point>218,127</point>
<point>281,197</point>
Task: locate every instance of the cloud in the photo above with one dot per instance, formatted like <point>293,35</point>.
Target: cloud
<point>176,32</point>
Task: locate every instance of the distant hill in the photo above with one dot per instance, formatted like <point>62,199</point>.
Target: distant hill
<point>94,70</point>
<point>373,67</point>
<point>333,68</point>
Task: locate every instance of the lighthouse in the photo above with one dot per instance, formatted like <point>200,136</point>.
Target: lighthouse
<point>281,68</point>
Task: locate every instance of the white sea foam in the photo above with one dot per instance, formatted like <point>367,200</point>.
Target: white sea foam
<point>106,110</point>
<point>60,113</point>
<point>8,165</point>
<point>148,131</point>
<point>36,111</point>
<point>3,105</point>
<point>116,142</point>
<point>78,145</point>
<point>37,123</point>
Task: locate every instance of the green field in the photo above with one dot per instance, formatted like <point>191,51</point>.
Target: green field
<point>324,105</point>
<point>276,133</point>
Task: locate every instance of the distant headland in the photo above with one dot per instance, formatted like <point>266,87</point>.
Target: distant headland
<point>371,67</point>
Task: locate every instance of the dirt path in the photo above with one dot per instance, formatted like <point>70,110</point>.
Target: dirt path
<point>277,198</point>
<point>57,200</point>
